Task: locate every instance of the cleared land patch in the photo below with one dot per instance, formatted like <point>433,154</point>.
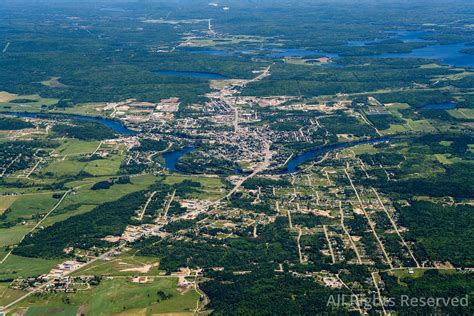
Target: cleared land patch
<point>6,202</point>
<point>118,296</point>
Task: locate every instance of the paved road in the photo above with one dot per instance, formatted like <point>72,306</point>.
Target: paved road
<point>262,166</point>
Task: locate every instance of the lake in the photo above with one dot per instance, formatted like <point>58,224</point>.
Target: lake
<point>298,52</point>
<point>201,75</point>
<point>294,163</point>
<point>401,35</point>
<point>116,126</point>
<point>212,52</point>
<point>409,36</point>
<point>440,106</point>
<point>269,53</point>
<point>447,54</point>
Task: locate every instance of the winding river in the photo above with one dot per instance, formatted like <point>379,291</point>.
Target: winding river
<point>294,163</point>
<point>114,125</point>
<point>171,158</point>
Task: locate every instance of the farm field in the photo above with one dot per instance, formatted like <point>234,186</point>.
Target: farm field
<point>120,296</point>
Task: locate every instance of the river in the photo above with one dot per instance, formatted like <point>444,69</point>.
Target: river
<point>112,124</point>
<point>172,158</point>
<point>295,162</point>
<point>440,106</point>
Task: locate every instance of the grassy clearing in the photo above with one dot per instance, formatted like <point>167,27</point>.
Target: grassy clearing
<point>395,129</point>
<point>7,295</point>
<point>234,40</point>
<point>455,76</point>
<point>212,187</point>
<point>6,97</point>
<point>85,195</point>
<point>74,147</point>
<point>462,113</point>
<point>64,168</point>
<point>140,180</point>
<point>53,82</point>
<point>134,265</point>
<point>34,105</point>
<point>109,166</point>
<point>119,296</point>
<point>57,311</point>
<point>85,199</point>
<point>405,273</point>
<point>87,109</point>
<point>431,66</point>
<point>209,182</point>
<point>419,125</point>
<point>446,159</point>
<point>6,202</point>
<point>12,235</point>
<point>363,149</point>
<point>409,125</point>
<point>71,166</point>
<point>397,106</point>
<point>62,215</point>
<point>26,206</point>
<point>417,272</point>
<point>16,266</point>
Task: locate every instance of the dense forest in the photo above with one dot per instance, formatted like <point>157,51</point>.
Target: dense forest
<point>7,123</point>
<point>82,231</point>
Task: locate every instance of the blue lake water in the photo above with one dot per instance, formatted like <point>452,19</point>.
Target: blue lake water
<point>270,53</point>
<point>363,43</point>
<point>295,162</point>
<point>112,124</point>
<point>447,54</point>
<point>409,36</point>
<point>213,52</point>
<point>401,35</point>
<point>171,158</point>
<point>297,52</point>
<point>201,75</point>
<point>440,106</point>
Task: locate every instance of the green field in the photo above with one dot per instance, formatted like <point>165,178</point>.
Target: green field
<point>109,166</point>
<point>71,166</point>
<point>6,202</point>
<point>12,235</point>
<point>75,147</point>
<point>16,266</point>
<point>415,273</point>
<point>462,113</point>
<point>7,105</point>
<point>212,187</point>
<point>124,265</point>
<point>117,296</point>
<point>84,199</point>
<point>26,206</point>
<point>7,295</point>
